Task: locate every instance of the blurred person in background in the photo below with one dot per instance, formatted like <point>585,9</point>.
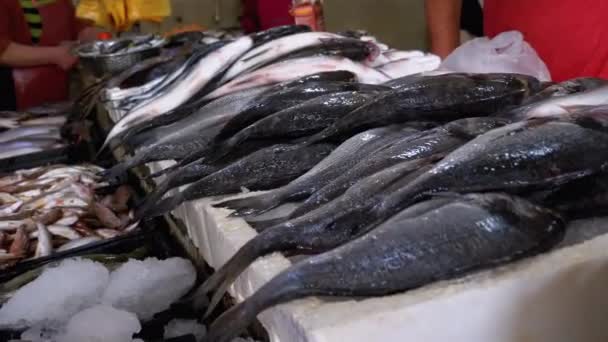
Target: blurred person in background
<point>568,35</point>
<point>259,15</point>
<point>35,41</point>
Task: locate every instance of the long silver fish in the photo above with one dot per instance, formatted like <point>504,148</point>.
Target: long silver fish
<point>199,76</point>
<point>274,49</point>
<point>30,131</point>
<point>296,68</point>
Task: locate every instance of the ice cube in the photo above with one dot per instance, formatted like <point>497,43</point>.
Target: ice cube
<point>101,323</point>
<point>56,295</point>
<point>181,327</point>
<point>149,286</point>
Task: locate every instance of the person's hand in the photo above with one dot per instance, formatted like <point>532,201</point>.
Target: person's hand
<point>63,57</point>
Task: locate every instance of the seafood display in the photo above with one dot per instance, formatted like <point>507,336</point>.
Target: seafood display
<point>395,176</point>
<point>39,129</point>
<point>55,208</point>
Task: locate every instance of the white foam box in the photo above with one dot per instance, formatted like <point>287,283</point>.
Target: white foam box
<point>561,295</point>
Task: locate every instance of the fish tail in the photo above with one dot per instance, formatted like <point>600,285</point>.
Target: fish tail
<point>260,226</point>
<point>265,243</point>
<point>250,206</point>
<point>225,275</point>
<point>149,211</point>
<point>120,169</point>
<point>282,288</point>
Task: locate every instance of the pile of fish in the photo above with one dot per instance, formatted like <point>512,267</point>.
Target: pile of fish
<point>36,130</point>
<point>55,208</point>
<point>399,182</point>
<point>216,68</point>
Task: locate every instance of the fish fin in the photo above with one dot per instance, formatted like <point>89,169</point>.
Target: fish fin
<point>225,275</point>
<point>260,226</point>
<point>252,205</point>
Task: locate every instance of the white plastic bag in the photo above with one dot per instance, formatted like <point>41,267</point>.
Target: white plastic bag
<point>507,52</point>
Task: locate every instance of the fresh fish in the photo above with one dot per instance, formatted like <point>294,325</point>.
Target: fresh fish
<point>275,49</point>
<point>21,243</point>
<point>409,253</point>
<point>59,230</point>
<point>343,158</point>
<point>213,113</point>
<point>333,225</point>
<point>21,147</point>
<point>516,157</point>
<point>121,198</point>
<point>12,225</point>
<point>277,32</point>
<point>107,233</point>
<point>265,169</point>
<point>549,95</point>
<point>197,170</point>
<point>44,247</point>
<point>560,105</point>
<point>285,96</point>
<point>10,209</point>
<point>29,132</point>
<point>78,243</point>
<point>439,98</point>
<point>50,217</point>
<point>441,140</point>
<point>279,98</point>
<point>200,74</point>
<point>353,49</point>
<point>296,68</point>
<point>184,137</point>
<point>582,198</point>
<point>67,221</point>
<point>106,216</point>
<point>300,120</point>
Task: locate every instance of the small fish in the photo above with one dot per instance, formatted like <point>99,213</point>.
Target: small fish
<point>59,230</point>
<point>50,217</point>
<point>48,120</point>
<point>21,243</point>
<point>78,243</point>
<point>107,233</point>
<point>12,225</point>
<point>105,216</point>
<point>44,246</point>
<point>408,253</point>
<point>67,220</point>
<point>10,209</point>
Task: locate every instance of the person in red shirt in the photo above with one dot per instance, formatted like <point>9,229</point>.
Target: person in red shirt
<point>261,15</point>
<point>35,56</point>
<point>568,35</point>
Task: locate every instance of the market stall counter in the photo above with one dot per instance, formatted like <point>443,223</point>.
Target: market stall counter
<point>556,296</point>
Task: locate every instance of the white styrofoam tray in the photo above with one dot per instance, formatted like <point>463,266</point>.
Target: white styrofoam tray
<point>558,296</point>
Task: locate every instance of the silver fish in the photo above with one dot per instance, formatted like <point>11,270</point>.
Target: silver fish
<point>296,68</point>
<point>273,49</point>
<point>45,242</point>
<point>183,89</point>
<point>30,131</point>
<point>78,243</point>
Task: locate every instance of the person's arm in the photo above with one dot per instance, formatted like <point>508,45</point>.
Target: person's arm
<point>443,25</point>
<point>18,55</point>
